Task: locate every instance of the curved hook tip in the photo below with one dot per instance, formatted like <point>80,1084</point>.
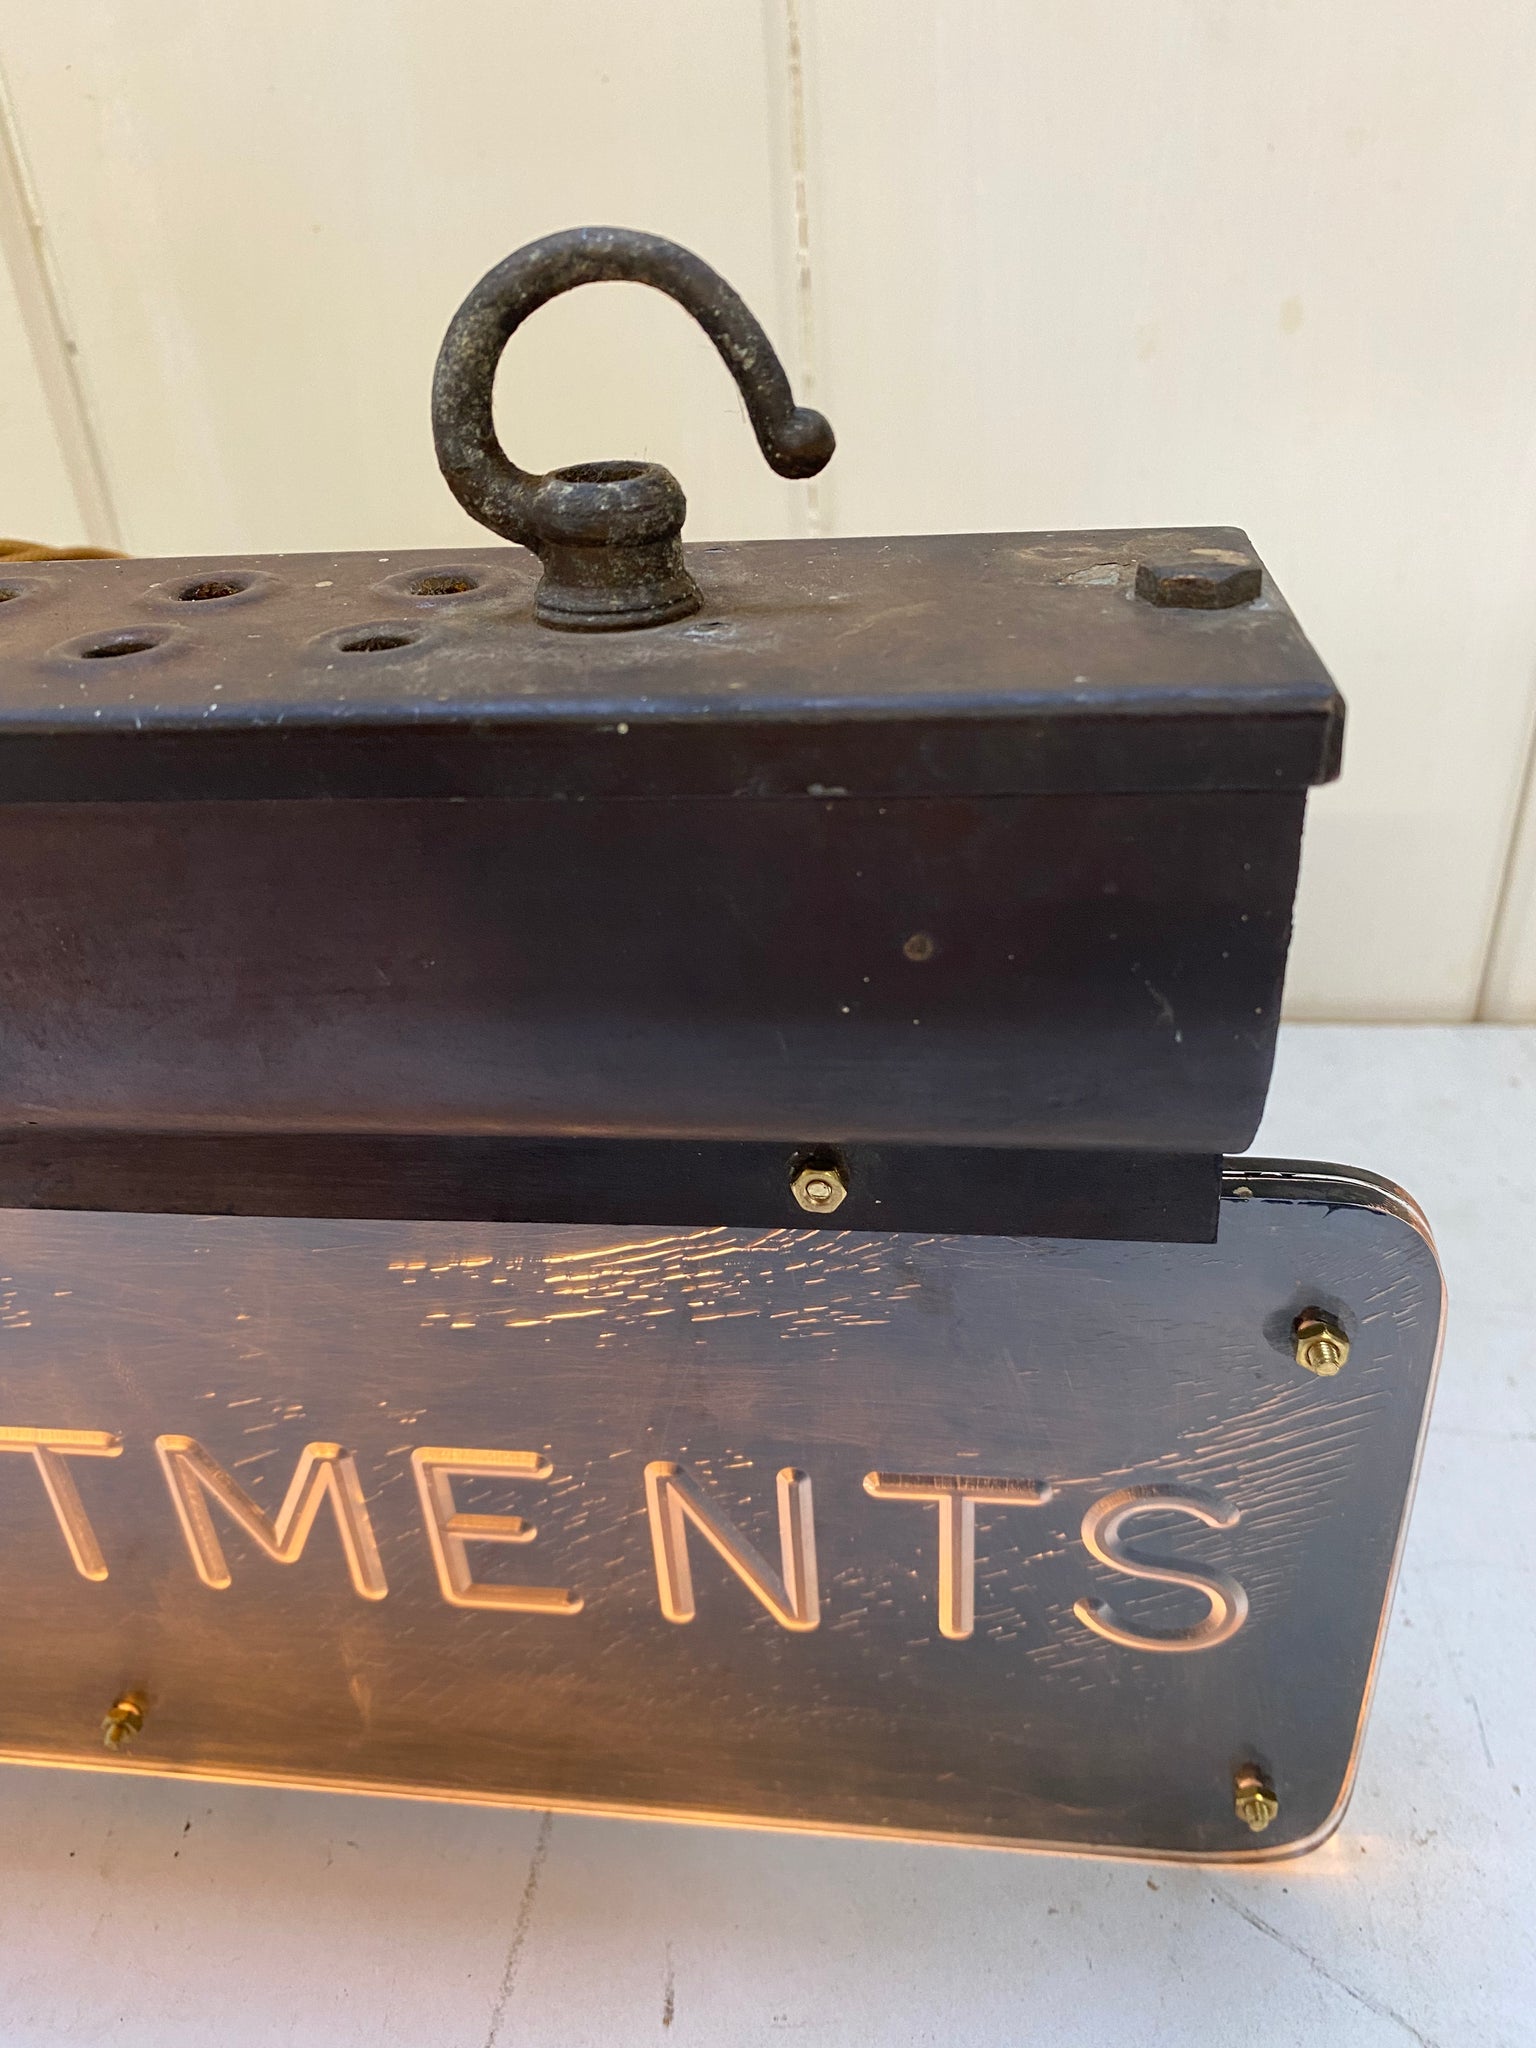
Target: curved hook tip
<point>804,445</point>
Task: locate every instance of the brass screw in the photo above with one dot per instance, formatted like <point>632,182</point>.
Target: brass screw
<point>821,1189</point>
<point>1253,1798</point>
<point>125,1717</point>
<point>1319,1343</point>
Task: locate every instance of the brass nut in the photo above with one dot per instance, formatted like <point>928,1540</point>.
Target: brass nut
<point>1319,1343</point>
<point>820,1189</point>
<point>124,1719</point>
<point>1253,1798</point>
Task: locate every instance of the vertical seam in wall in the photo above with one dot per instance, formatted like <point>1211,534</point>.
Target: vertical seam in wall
<point>1522,820</point>
<point>24,247</point>
<point>805,317</point>
<point>1520,842</point>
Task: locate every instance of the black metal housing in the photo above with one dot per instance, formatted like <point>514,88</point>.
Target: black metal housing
<point>945,842</point>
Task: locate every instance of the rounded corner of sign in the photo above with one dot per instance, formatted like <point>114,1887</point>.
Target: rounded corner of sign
<point>1326,1180</point>
<point>1246,1857</point>
<point>1304,1845</point>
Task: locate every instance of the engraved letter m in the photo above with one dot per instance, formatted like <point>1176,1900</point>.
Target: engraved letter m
<point>323,1469</point>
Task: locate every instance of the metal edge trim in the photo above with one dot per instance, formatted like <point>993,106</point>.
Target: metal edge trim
<point>1360,1189</point>
<point>1323,1179</point>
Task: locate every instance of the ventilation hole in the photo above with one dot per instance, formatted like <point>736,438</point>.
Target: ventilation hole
<point>110,646</point>
<point>219,586</point>
<point>448,584</point>
<point>376,643</point>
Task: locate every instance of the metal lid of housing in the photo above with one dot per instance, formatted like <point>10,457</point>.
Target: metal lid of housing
<point>964,664</point>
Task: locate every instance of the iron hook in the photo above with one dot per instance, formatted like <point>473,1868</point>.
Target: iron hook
<point>607,533</point>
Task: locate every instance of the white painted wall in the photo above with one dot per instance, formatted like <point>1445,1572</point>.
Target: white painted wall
<point>36,493</point>
<point>1044,263</point>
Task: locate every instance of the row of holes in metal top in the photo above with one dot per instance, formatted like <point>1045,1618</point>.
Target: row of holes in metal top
<point>212,589</point>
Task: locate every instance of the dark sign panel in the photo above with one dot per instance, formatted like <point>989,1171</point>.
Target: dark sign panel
<point>1010,1540</point>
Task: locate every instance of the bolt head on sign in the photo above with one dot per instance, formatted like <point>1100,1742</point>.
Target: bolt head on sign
<point>1321,1345</point>
<point>124,1719</point>
<point>820,1189</point>
<point>1255,1801</point>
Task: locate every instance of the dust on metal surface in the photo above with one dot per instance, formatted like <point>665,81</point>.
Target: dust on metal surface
<point>993,664</point>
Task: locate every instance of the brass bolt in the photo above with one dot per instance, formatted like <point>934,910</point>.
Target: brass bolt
<point>125,1717</point>
<point>1319,1343</point>
<point>821,1189</point>
<point>1253,1798</point>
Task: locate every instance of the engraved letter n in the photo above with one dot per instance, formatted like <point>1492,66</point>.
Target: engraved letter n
<point>674,1498</point>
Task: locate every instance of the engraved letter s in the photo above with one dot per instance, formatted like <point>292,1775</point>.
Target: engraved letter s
<point>1101,1533</point>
